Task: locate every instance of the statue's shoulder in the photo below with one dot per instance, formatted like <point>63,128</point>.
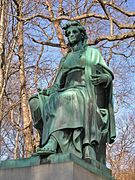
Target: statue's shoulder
<point>63,59</point>
<point>92,49</point>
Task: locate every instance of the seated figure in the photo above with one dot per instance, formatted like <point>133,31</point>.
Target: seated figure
<point>76,115</point>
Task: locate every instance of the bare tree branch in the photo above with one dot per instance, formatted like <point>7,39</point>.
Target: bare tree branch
<point>123,11</point>
<point>46,43</point>
<point>123,36</point>
<point>103,6</point>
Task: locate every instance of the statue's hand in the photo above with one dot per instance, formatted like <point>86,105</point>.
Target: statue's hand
<point>51,90</point>
<point>42,91</point>
<point>47,91</point>
<point>99,78</point>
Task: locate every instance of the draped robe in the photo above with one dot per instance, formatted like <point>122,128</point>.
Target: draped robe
<point>76,112</point>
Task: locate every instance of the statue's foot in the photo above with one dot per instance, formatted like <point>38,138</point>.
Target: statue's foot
<point>35,154</point>
<point>38,149</point>
<point>49,148</point>
<point>89,153</point>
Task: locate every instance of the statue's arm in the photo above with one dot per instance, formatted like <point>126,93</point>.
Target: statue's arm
<point>101,78</point>
<point>102,74</point>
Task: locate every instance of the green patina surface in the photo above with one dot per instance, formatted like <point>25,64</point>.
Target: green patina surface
<point>75,115</point>
<point>19,163</point>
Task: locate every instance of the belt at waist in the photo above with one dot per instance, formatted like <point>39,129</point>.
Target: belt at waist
<point>75,78</point>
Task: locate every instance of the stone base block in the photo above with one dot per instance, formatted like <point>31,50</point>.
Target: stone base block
<point>55,168</point>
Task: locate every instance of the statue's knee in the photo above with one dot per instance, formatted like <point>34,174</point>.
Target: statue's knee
<point>35,112</point>
<point>68,95</point>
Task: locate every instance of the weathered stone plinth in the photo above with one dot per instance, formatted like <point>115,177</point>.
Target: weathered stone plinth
<point>66,167</point>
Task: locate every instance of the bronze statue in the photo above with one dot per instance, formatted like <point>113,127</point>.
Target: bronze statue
<point>76,114</point>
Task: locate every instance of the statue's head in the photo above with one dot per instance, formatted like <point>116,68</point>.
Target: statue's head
<point>75,32</point>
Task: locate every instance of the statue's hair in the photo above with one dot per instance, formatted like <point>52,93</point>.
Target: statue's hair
<point>80,28</point>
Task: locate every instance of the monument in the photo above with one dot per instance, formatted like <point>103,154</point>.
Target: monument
<point>75,117</point>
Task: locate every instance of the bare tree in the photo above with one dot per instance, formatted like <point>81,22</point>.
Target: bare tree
<point>36,26</point>
<point>23,91</point>
<point>121,153</point>
<point>3,7</point>
<point>3,21</point>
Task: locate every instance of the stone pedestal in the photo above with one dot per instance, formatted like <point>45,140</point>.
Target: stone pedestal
<point>67,167</point>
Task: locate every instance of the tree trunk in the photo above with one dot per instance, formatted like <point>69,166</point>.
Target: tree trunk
<point>60,37</point>
<point>23,93</point>
<point>2,55</point>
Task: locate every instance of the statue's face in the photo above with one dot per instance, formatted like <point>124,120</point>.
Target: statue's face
<point>74,35</point>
